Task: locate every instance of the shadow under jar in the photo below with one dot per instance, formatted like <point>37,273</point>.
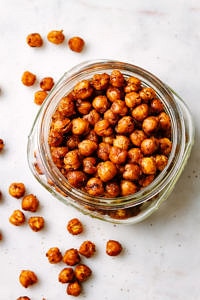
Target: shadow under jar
<point>127,209</point>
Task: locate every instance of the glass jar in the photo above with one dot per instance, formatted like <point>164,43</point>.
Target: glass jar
<point>127,209</point>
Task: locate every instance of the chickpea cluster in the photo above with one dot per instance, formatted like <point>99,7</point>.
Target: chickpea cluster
<point>110,136</point>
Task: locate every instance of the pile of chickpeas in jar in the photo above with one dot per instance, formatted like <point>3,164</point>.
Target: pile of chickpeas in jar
<point>110,136</point>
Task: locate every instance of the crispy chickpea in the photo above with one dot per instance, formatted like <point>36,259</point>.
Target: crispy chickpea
<point>100,103</point>
<point>74,226</point>
<point>100,81</point>
<point>87,147</point>
<point>149,146</point>
<point>28,78</point>
<point>119,107</point>
<point>134,155</point>
<point>56,37</point>
<point>73,141</point>
<point>66,275</point>
<point>132,172</point>
<point>108,139</point>
<point>83,106</point>
<point>122,142</point>
<point>118,155</point>
<point>112,189</point>
<point>34,40</point>
<point>148,165</point>
<point>116,78</point>
<point>54,255</point>
<point>39,97</point>
<point>82,272</point>
<point>164,121</point>
<point>87,249</point>
<point>71,257</point>
<point>1,145</point>
<point>113,248</point>
<point>74,288</point>
<point>128,187</point>
<point>165,146</point>
<point>66,106</point>
<point>76,44</point>
<point>150,125</point>
<point>156,106</point>
<point>93,117</point>
<point>103,151</point>
<point>72,160</point>
<point>94,187</point>
<point>36,223</point>
<point>147,94</point>
<point>133,84</point>
<point>161,161</point>
<point>106,170</point>
<point>46,83</point>
<point>137,136</point>
<point>111,117</point>
<point>113,94</point>
<point>17,218</point>
<point>76,178</point>
<point>23,298</point>
<point>17,189</point>
<point>89,165</point>
<point>140,112</point>
<point>83,90</point>
<point>62,125</point>
<point>103,128</point>
<point>125,125</point>
<point>132,99</point>
<point>27,278</point>
<point>55,138</point>
<point>146,180</point>
<point>80,126</point>
<point>30,202</point>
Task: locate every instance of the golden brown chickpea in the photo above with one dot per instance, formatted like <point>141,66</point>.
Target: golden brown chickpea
<point>132,99</point>
<point>111,117</point>
<point>17,189</point>
<point>148,165</point>
<point>134,155</point>
<point>165,146</point>
<point>133,84</point>
<point>150,125</point>
<point>55,138</point>
<point>36,223</point>
<point>119,107</point>
<point>39,97</point>
<point>54,255</point>
<point>71,257</point>
<point>82,272</point>
<point>118,155</point>
<point>94,187</point>
<point>125,125</point>
<point>128,187</point>
<point>146,180</point>
<point>147,94</point>
<point>83,106</point>
<point>34,40</point>
<point>72,160</point>
<point>17,218</point>
<point>74,288</point>
<point>106,170</point>
<point>161,161</point>
<point>76,178</point>
<point>83,89</point>
<point>66,275</point>
<point>108,139</point>
<point>103,151</point>
<point>80,126</point>
<point>164,121</point>
<point>103,128</point>
<point>27,278</point>
<point>66,106</point>
<point>87,249</point>
<point>112,189</point>
<point>122,142</point>
<point>23,298</point>
<point>56,37</point>
<point>137,136</point>
<point>93,117</point>
<point>28,78</point>
<point>87,147</point>
<point>76,44</point>
<point>62,125</point>
<point>74,226</point>
<point>1,145</point>
<point>73,141</point>
<point>89,165</point>
<point>149,146</point>
<point>30,202</point>
<point>121,214</point>
<point>113,248</point>
<point>132,172</point>
<point>156,106</point>
<point>46,83</point>
<point>100,81</point>
<point>140,112</point>
<point>100,103</point>
<point>116,78</point>
<point>113,94</point>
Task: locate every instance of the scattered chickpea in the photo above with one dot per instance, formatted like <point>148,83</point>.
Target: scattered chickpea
<point>23,298</point>
<point>34,40</point>
<point>87,249</point>
<point>56,37</point>
<point>30,202</point>
<point>1,145</point>
<point>82,272</point>
<point>74,288</point>
<point>66,275</point>
<point>76,44</point>
<point>74,226</point>
<point>46,83</point>
<point>113,248</point>
<point>27,278</point>
<point>54,255</point>
<point>17,189</point>
<point>36,223</point>
<point>28,78</point>
<point>71,257</point>
<point>39,97</point>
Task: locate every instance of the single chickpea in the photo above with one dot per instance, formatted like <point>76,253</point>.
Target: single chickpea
<point>134,155</point>
<point>148,165</point>
<point>54,255</point>
<point>140,112</point>
<point>66,106</point>
<point>103,128</point>
<point>74,226</point>
<point>100,81</point>
<point>27,278</point>
<point>113,94</point>
<point>146,180</point>
<point>76,178</point>
<point>46,83</point>
<point>106,170</point>
<point>116,78</point>
<point>36,223</point>
<point>30,202</point>
<point>89,165</point>
<point>128,187</point>
<point>149,146</point>
<point>112,189</point>
<point>104,151</point>
<point>28,78</point>
<point>133,84</point>
<point>76,44</point>
<point>39,97</point>
<point>161,161</point>
<point>100,103</point>
<point>118,155</point>
<point>137,136</point>
<point>1,145</point>
<point>122,142</point>
<point>83,89</point>
<point>73,141</point>
<point>92,136</point>
<point>71,257</point>
<point>87,147</point>
<point>17,218</point>
<point>17,189</point>
<point>34,40</point>
<point>132,172</point>
<point>83,107</point>
<point>164,121</point>
<point>55,138</point>
<point>125,125</point>
<point>56,37</point>
<point>82,272</point>
<point>147,94</point>
<point>80,126</point>
<point>119,107</point>
<point>132,99</point>
<point>66,275</point>
<point>150,125</point>
<point>156,106</point>
<point>94,187</point>
<point>72,160</point>
<point>23,298</point>
<point>62,125</point>
<point>165,146</point>
<point>74,288</point>
<point>111,117</point>
<point>113,248</point>
<point>87,249</point>
<point>93,117</point>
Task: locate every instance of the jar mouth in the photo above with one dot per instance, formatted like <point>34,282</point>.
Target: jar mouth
<point>86,71</point>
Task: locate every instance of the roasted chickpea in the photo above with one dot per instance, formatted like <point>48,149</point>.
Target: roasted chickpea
<point>100,103</point>
<point>76,178</point>
<point>30,202</point>
<point>108,139</point>
<point>72,160</point>
<point>54,255</point>
<point>76,44</point>
<point>165,146</point>
<point>118,155</point>
<point>74,226</point>
<point>74,288</point>
<point>103,128</point>
<point>147,94</point>
<point>36,223</point>
<point>113,94</point>
<point>164,121</point>
<point>94,187</point>
<point>46,83</point>
<point>66,107</point>
<point>93,117</point>
<point>17,218</point>
<point>106,170</point>
<point>150,125</point>
<point>149,146</point>
<point>137,136</point>
<point>73,141</point>
<point>17,189</point>
<point>62,125</point>
<point>112,189</point>
<point>87,249</point>
<point>103,151</point>
<point>82,272</point>
<point>133,84</point>
<point>119,107</point>
<point>83,89</point>
<point>71,257</point>
<point>148,165</point>
<point>140,112</point>
<point>134,155</point>
<point>125,125</point>
<point>27,278</point>
<point>146,180</point>
<point>161,161</point>
<point>56,37</point>
<point>89,165</point>
<point>1,145</point>
<point>28,78</point>
<point>66,275</point>
<point>80,126</point>
<point>23,298</point>
<point>39,97</point>
<point>83,107</point>
<point>128,187</point>
<point>100,81</point>
<point>87,147</point>
<point>34,40</point>
<point>122,142</point>
<point>132,99</point>
<point>113,248</point>
<point>132,172</point>
<point>55,138</point>
<point>111,117</point>
<point>156,106</point>
<point>116,78</point>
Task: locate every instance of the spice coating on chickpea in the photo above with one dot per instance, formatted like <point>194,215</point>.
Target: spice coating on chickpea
<point>87,249</point>
<point>30,202</point>
<point>17,189</point>
<point>71,257</point>
<point>17,218</point>
<point>74,289</point>
<point>76,44</point>
<point>66,275</point>
<point>46,83</point>
<point>56,37</point>
<point>27,278</point>
<point>36,223</point>
<point>74,226</point>
<point>54,255</point>
<point>28,78</point>
<point>82,272</point>
<point>113,248</point>
<point>39,97</point>
<point>34,40</point>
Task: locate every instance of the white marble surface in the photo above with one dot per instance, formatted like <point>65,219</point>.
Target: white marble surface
<point>161,258</point>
